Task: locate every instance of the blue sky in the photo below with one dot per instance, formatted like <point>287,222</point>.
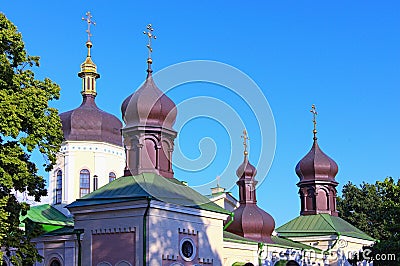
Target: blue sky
<point>342,56</point>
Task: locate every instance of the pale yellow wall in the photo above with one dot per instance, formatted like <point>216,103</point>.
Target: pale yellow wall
<point>239,252</point>
<point>98,157</point>
<point>222,201</point>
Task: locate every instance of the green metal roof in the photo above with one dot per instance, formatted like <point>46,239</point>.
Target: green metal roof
<point>47,215</point>
<point>278,242</point>
<point>287,243</point>
<point>320,224</point>
<point>230,237</point>
<point>65,230</point>
<point>128,188</point>
<point>238,263</point>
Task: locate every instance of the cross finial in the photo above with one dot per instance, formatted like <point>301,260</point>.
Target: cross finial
<point>150,35</point>
<point>89,21</point>
<point>245,139</point>
<point>218,178</point>
<point>314,112</point>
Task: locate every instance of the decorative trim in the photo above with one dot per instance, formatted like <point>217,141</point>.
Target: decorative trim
<point>194,251</point>
<point>206,261</point>
<point>55,256</point>
<point>113,230</point>
<point>169,257</point>
<point>187,231</point>
<point>123,261</point>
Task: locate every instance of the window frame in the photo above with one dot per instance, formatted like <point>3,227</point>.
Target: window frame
<point>84,190</point>
<point>59,188</point>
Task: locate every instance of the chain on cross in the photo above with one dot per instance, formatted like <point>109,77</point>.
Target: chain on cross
<point>245,139</point>
<point>89,21</point>
<point>314,112</point>
<point>150,35</point>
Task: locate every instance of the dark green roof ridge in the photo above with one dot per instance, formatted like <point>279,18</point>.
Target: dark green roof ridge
<point>231,237</point>
<point>149,185</point>
<point>320,224</point>
<point>278,242</point>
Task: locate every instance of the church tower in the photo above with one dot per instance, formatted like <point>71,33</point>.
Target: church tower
<point>249,220</point>
<point>148,134</point>
<point>92,154</point>
<point>319,224</point>
<point>317,186</point>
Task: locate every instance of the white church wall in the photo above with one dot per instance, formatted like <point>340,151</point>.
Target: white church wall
<point>102,220</point>
<point>61,248</point>
<point>171,226</point>
<point>167,226</point>
<point>98,157</point>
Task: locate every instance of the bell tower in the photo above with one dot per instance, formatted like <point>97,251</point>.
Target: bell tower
<point>148,134</point>
<point>317,186</point>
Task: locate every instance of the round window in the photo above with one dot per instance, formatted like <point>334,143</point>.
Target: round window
<point>188,249</point>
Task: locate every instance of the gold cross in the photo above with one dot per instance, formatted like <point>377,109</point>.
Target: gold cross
<point>150,36</point>
<point>89,21</point>
<point>245,139</point>
<point>314,112</point>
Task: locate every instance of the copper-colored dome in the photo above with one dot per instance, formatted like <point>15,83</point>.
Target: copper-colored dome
<point>252,222</point>
<point>149,106</point>
<point>316,165</point>
<point>90,123</point>
<point>246,169</point>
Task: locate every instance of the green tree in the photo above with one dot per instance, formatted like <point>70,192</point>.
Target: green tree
<point>375,209</point>
<point>26,123</point>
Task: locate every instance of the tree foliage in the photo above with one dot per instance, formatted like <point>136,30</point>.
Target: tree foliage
<point>26,123</point>
<point>375,209</point>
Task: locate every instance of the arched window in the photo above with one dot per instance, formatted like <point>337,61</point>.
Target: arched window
<point>111,176</point>
<point>104,263</point>
<point>123,263</point>
<point>59,187</point>
<point>84,182</point>
<point>55,262</point>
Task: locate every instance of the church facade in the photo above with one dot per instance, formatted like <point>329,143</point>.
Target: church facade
<point>115,199</point>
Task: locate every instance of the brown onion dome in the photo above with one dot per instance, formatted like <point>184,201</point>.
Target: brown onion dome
<point>249,220</point>
<point>149,106</point>
<point>316,165</point>
<point>246,170</point>
<point>252,222</point>
<point>88,122</point>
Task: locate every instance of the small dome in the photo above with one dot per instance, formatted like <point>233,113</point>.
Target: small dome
<point>246,169</point>
<point>316,165</point>
<point>149,106</point>
<point>249,220</point>
<point>252,222</point>
<point>89,123</point>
